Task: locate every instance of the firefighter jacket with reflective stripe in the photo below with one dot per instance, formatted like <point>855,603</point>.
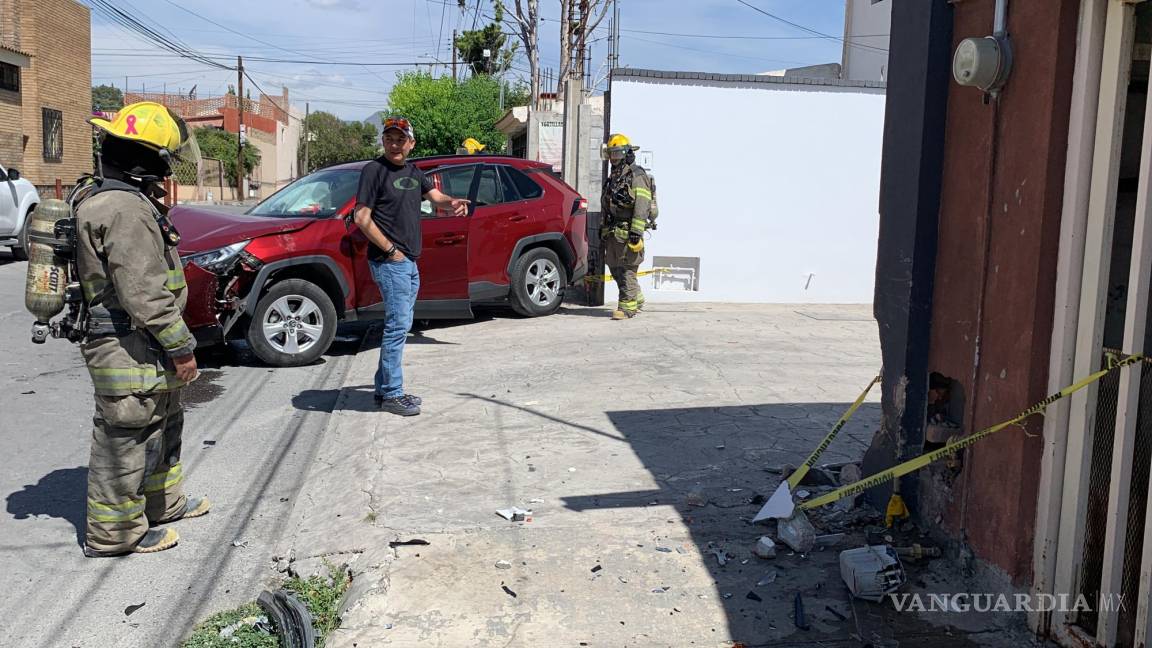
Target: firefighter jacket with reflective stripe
<point>627,199</point>
<point>134,285</point>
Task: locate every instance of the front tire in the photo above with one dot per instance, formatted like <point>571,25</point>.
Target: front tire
<point>21,253</point>
<point>292,325</point>
<point>538,282</point>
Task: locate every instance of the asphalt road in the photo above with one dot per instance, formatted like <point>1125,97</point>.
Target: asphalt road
<point>250,436</point>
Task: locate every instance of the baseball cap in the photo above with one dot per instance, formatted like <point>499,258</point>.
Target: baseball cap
<point>399,123</point>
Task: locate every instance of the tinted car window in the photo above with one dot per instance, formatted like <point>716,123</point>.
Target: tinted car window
<point>525,186</point>
<point>456,181</point>
<point>318,194</point>
<point>507,186</point>
<point>489,192</point>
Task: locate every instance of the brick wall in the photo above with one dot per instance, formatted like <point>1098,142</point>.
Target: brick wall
<point>57,33</point>
<point>11,132</point>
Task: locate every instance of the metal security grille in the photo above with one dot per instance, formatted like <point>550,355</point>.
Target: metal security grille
<point>1101,473</point>
<point>53,134</point>
<point>1137,508</point>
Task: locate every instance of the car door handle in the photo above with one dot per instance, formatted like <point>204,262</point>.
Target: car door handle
<point>451,239</point>
<point>518,218</point>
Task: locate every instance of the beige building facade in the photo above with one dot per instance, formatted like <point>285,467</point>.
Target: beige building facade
<point>46,89</point>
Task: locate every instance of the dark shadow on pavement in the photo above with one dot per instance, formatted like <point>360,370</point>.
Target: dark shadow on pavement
<point>358,399</point>
<point>59,494</point>
<point>6,257</point>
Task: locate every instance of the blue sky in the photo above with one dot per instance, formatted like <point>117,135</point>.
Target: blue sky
<point>349,32</point>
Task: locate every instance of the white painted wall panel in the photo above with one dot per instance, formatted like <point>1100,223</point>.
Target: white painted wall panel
<point>766,184</point>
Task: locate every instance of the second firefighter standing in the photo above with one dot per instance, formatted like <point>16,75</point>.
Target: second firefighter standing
<point>629,208</point>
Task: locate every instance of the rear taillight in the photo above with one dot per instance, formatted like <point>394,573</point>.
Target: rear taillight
<point>580,205</point>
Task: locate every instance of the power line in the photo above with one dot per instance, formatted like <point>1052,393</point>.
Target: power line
<point>810,30</point>
<point>113,13</point>
<point>248,36</point>
<point>728,37</point>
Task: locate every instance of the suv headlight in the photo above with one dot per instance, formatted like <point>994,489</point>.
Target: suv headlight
<point>216,261</point>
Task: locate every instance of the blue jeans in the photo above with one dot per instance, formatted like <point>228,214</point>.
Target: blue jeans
<point>399,282</point>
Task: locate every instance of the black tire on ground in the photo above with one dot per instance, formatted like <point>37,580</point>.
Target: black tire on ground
<point>293,324</point>
<point>538,282</point>
<point>21,253</point>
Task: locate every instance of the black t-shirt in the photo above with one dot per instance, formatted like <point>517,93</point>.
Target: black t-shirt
<point>394,193</point>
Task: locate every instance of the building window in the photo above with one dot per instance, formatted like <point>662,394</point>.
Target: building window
<point>9,77</point>
<point>53,135</point>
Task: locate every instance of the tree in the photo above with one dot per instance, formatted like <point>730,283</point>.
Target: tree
<point>578,19</point>
<point>332,141</point>
<point>444,113</point>
<point>525,22</point>
<point>221,145</point>
<point>106,98</point>
<point>472,46</point>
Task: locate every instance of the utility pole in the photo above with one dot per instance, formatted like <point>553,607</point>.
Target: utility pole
<point>307,137</point>
<point>240,134</point>
<point>453,55</point>
<point>574,94</point>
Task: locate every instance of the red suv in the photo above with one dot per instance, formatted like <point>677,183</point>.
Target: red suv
<point>281,275</point>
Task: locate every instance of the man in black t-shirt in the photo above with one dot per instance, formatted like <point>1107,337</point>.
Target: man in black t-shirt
<point>388,212</point>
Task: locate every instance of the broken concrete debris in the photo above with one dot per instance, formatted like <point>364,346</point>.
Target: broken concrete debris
<point>503,564</point>
<point>697,498</point>
<point>871,572</point>
<point>765,548</point>
<point>797,532</point>
<point>829,540</point>
<point>916,552</point>
<point>768,579</point>
<point>514,514</point>
<point>850,474</point>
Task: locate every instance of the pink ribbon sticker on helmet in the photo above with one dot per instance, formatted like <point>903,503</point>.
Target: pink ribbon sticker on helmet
<point>131,122</point>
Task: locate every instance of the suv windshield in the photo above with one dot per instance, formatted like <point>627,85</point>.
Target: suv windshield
<point>320,194</point>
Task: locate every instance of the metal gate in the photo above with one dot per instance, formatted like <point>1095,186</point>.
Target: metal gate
<point>1091,533</point>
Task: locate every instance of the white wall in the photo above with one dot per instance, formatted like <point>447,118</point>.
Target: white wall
<point>863,19</point>
<point>766,183</point>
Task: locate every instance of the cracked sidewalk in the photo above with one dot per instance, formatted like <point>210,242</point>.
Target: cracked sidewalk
<point>602,429</point>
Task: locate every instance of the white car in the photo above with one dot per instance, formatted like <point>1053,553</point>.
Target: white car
<point>18,199</point>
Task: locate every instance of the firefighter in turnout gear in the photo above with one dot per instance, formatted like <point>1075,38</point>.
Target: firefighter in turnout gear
<point>629,211</point>
<point>137,348</point>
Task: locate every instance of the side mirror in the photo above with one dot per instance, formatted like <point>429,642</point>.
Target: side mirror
<point>13,175</point>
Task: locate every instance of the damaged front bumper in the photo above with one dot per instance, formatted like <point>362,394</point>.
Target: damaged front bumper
<point>216,297</point>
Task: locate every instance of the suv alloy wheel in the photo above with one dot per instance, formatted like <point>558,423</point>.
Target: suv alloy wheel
<point>538,283</point>
<point>293,324</point>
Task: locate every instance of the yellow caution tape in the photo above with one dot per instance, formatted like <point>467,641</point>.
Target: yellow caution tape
<point>608,278</point>
<point>794,480</point>
<point>923,460</point>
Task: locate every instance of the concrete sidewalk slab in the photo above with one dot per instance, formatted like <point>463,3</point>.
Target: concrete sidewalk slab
<point>603,429</point>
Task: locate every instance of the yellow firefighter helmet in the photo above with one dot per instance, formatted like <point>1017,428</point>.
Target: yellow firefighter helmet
<point>472,146</point>
<point>152,125</point>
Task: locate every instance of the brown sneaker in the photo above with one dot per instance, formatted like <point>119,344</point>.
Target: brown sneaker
<point>154,541</point>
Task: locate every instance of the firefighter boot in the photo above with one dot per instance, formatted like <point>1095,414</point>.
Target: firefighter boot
<point>620,314</point>
<point>154,541</point>
<point>194,507</point>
